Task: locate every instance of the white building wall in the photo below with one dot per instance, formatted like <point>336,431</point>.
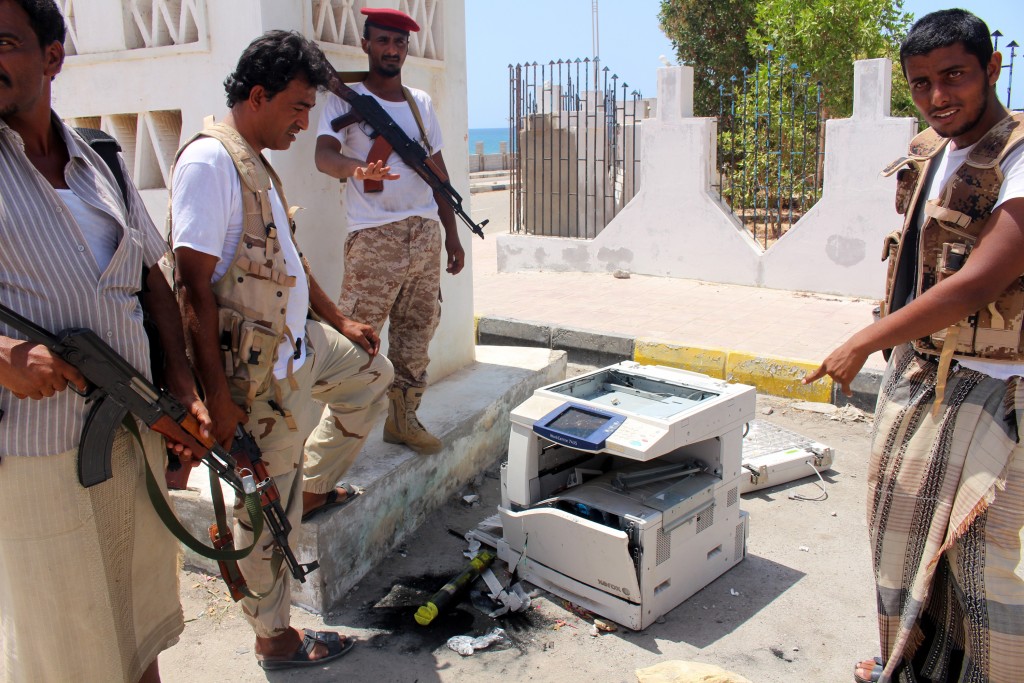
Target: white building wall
<point>136,94</point>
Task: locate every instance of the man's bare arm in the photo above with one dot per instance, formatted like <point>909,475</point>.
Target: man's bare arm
<point>159,303</point>
<point>331,161</point>
<point>29,370</point>
<point>456,257</point>
<point>193,272</point>
<point>995,262</point>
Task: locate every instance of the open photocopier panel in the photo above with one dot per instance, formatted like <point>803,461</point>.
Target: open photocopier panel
<point>621,489</point>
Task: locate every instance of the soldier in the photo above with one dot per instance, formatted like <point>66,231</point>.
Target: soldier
<point>393,247</point>
<point>246,291</point>
<point>88,577</point>
<point>946,475</point>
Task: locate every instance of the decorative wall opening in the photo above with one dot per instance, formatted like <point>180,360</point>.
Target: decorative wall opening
<point>148,142</point>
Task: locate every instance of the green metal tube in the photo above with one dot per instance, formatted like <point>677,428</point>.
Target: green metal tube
<point>428,612</point>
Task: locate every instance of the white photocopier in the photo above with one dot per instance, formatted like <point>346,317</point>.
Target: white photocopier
<point>622,488</point>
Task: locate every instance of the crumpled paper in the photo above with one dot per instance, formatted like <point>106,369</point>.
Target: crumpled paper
<point>467,645</point>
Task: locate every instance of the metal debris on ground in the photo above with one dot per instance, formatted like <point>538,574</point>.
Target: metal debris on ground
<point>467,645</point>
<point>577,610</point>
<point>512,599</point>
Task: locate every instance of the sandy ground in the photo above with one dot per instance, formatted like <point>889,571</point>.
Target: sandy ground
<point>800,607</point>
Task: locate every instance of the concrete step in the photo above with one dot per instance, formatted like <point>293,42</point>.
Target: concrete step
<point>489,181</point>
<point>483,175</point>
<point>468,411</point>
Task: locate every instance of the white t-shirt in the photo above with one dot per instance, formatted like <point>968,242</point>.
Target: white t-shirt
<point>1012,165</point>
<point>402,198</point>
<point>101,231</point>
<point>207,210</point>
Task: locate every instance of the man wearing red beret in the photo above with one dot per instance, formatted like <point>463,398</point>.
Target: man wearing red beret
<point>394,241</point>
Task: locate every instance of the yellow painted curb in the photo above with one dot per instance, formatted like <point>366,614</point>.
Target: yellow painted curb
<point>711,362</point>
<point>476,329</point>
<point>777,376</point>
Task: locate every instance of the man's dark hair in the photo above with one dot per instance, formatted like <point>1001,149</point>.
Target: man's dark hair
<point>367,24</point>
<point>274,60</point>
<point>944,28</point>
<point>45,19</point>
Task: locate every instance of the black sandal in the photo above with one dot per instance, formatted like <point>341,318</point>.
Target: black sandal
<point>876,672</point>
<point>336,647</point>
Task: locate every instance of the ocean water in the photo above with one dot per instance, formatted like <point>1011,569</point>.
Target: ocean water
<point>491,137</point>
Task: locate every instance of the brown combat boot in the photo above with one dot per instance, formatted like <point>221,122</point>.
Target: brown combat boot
<point>402,425</point>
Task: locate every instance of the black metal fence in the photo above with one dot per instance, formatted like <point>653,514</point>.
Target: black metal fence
<point>770,146</point>
<point>575,142</point>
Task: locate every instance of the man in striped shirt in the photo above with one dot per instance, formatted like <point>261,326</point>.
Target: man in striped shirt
<point>88,577</point>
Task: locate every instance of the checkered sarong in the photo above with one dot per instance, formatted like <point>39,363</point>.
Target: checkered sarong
<point>945,511</point>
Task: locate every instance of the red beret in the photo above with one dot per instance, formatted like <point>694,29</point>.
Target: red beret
<point>390,18</point>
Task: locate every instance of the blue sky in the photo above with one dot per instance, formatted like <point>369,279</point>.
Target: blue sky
<point>499,34</point>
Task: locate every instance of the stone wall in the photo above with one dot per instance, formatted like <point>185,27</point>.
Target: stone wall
<point>677,226</point>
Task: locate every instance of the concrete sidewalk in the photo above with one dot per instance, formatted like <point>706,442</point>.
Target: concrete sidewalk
<point>764,337</point>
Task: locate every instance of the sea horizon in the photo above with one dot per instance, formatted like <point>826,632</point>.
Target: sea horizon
<point>491,137</point>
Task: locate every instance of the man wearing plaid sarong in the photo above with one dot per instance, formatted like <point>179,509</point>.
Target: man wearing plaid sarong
<point>946,475</point>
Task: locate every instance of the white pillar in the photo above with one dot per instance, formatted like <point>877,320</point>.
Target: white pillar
<point>675,93</point>
<point>872,88</point>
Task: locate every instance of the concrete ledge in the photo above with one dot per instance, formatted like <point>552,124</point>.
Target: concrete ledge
<point>469,410</point>
<point>501,331</point>
<point>777,376</point>
<point>590,347</point>
<point>769,374</point>
<point>865,388</point>
<point>710,362</point>
<point>474,189</point>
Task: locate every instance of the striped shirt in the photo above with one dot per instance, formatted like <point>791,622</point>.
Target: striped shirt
<point>49,275</point>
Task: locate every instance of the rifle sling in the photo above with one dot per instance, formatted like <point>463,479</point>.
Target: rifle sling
<point>232,573</point>
<point>163,510</point>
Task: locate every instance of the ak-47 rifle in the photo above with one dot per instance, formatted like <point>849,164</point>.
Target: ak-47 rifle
<point>116,389</point>
<point>249,459</point>
<point>368,110</point>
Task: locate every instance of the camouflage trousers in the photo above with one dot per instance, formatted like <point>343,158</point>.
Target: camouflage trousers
<point>393,271</point>
<point>352,385</point>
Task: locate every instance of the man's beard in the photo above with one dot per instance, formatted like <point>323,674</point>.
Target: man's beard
<point>969,126</point>
<point>9,109</point>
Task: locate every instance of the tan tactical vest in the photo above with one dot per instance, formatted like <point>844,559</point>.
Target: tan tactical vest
<point>252,297</point>
<point>952,223</point>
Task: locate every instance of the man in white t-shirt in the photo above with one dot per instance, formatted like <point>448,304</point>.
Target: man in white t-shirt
<point>946,474</point>
<point>393,248</point>
<point>245,292</point>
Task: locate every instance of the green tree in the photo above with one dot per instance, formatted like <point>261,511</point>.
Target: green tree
<point>825,37</point>
<point>711,37</point>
